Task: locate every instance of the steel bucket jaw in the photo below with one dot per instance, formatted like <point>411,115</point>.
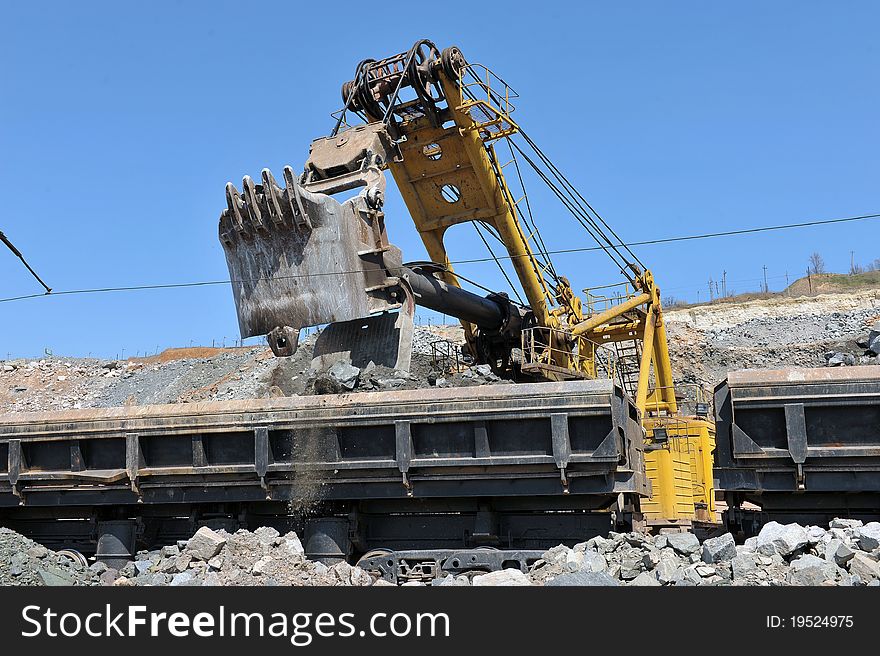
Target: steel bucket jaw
<point>298,256</point>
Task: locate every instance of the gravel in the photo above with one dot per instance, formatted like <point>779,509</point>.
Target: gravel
<point>838,557</point>
<point>243,558</point>
<point>705,343</point>
<point>177,376</point>
<point>708,341</point>
<point>24,562</point>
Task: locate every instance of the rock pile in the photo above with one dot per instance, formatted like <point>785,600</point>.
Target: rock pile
<point>261,557</point>
<point>201,374</point>
<point>708,341</point>
<point>846,554</point>
<point>24,562</point>
<point>871,355</point>
<point>343,377</point>
<point>705,343</point>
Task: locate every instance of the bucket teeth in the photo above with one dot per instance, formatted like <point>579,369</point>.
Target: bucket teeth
<point>235,207</point>
<point>260,206</point>
<point>294,201</point>
<point>272,195</point>
<point>253,204</point>
<point>225,236</point>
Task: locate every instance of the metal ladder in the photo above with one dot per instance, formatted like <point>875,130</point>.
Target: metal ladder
<point>629,358</point>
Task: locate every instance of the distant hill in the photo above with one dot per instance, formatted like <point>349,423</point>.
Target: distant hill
<point>823,283</point>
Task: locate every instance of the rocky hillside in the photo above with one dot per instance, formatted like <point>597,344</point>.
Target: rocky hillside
<point>706,342</point>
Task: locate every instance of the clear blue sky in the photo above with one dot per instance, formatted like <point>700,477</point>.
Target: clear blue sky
<point>120,123</point>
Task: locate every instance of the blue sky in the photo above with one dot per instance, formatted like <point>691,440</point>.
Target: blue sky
<point>120,123</point>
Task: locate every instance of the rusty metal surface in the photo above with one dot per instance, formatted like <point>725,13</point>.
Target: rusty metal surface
<point>818,375</point>
<point>587,393</point>
<point>799,430</point>
<point>385,339</point>
<point>299,257</point>
<point>530,439</point>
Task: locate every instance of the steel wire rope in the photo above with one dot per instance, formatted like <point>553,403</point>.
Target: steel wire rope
<point>562,251</point>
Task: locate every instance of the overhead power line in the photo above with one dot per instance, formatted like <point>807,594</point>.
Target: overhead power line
<point>18,254</point>
<point>647,242</point>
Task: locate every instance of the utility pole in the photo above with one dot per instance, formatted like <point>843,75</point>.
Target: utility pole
<point>724,284</point>
<point>711,297</point>
<point>852,262</point>
<point>809,280</point>
<point>766,287</point>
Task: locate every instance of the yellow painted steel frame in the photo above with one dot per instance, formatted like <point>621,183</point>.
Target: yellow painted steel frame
<point>450,175</point>
<point>616,324</point>
<point>680,471</point>
<point>679,467</point>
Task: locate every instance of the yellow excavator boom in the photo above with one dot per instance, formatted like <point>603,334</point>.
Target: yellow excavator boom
<point>436,122</point>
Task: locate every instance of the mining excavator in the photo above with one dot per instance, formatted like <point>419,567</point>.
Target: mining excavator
<point>416,484</point>
<point>299,257</point>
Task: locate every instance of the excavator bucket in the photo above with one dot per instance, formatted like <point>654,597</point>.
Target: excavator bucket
<point>299,257</point>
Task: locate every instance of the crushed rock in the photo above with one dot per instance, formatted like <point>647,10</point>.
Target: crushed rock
<point>24,562</point>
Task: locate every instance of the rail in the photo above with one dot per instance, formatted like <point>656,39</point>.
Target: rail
<point>542,345</point>
<point>597,303</point>
<point>490,108</point>
<point>692,400</point>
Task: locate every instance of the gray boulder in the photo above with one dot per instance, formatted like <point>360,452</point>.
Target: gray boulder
<point>815,534</point>
<point>684,543</point>
<point>645,579</point>
<point>865,567</point>
<point>743,566</point>
<point>502,577</point>
<point>844,523</point>
<point>869,536</point>
<point>631,566</point>
<point>583,579</point>
<point>450,581</point>
<point>838,552</point>
<point>345,375</point>
<point>874,339</point>
<point>205,544</point>
<point>594,562</point>
<point>184,579</point>
<point>720,549</point>
<point>55,576</point>
<point>666,569</point>
<point>782,539</point>
<point>824,569</point>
